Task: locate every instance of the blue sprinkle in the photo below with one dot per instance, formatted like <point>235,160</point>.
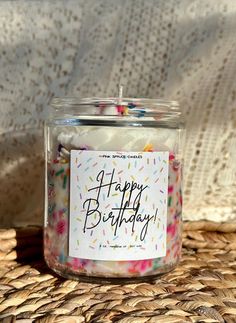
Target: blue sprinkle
<point>141,113</point>
<point>131,105</point>
<point>62,258</point>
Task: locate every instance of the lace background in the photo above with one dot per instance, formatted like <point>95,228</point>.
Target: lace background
<point>178,49</point>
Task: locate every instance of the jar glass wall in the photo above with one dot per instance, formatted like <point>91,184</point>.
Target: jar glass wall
<point>113,199</point>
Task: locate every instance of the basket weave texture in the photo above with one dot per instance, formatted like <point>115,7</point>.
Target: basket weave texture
<point>201,289</point>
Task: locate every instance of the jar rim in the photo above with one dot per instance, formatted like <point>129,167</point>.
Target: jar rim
<point>133,104</point>
<point>116,110</point>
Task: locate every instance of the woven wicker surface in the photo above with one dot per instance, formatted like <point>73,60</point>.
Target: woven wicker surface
<point>201,289</point>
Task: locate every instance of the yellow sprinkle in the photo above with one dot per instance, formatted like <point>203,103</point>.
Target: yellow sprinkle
<point>63,161</point>
<point>148,147</point>
<point>126,111</point>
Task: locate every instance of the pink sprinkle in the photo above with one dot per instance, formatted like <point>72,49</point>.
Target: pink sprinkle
<point>75,263</point>
<point>171,229</point>
<point>120,109</point>
<point>171,156</point>
<point>55,161</point>
<point>61,227</point>
<point>170,189</point>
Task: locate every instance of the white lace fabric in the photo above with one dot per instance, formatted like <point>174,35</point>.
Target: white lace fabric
<point>183,50</point>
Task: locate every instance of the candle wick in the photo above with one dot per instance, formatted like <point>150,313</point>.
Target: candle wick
<point>120,95</point>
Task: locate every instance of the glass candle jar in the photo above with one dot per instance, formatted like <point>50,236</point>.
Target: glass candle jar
<point>113,187</point>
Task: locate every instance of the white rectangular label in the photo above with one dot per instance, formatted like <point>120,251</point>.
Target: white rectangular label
<point>118,205</point>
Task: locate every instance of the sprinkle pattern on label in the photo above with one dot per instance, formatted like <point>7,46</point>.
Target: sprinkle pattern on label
<point>119,211</point>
